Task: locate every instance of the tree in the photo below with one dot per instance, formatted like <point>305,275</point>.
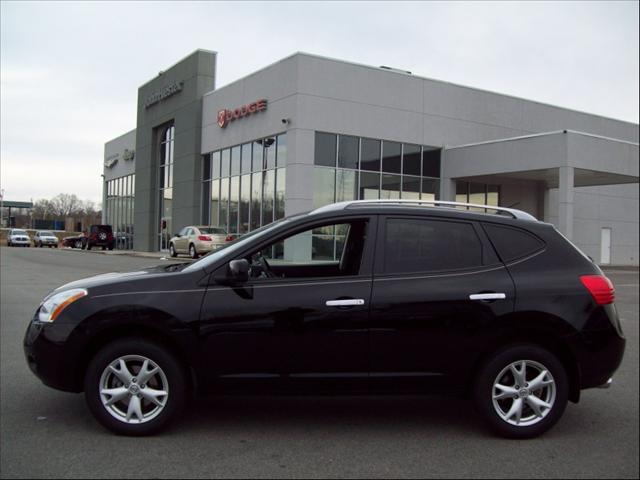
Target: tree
<point>42,209</point>
<point>66,205</point>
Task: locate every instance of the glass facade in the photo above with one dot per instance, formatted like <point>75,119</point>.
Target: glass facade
<point>119,210</point>
<point>479,193</point>
<point>166,137</point>
<point>354,168</point>
<point>243,187</point>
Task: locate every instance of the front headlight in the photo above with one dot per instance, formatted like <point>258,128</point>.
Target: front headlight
<point>54,305</point>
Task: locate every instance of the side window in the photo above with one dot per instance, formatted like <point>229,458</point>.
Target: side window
<point>512,243</point>
<point>183,232</point>
<point>326,250</point>
<point>416,245</point>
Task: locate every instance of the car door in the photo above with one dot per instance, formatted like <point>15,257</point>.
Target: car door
<point>181,243</point>
<point>304,328</point>
<point>439,289</point>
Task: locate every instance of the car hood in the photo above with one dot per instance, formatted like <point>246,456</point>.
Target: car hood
<point>116,277</point>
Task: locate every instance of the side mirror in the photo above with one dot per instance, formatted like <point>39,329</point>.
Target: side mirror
<point>239,271</point>
<point>177,235</point>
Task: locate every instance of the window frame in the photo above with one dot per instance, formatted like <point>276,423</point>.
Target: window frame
<point>489,257</point>
<point>366,263</point>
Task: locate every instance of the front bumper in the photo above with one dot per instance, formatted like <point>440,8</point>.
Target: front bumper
<point>19,242</point>
<point>48,358</point>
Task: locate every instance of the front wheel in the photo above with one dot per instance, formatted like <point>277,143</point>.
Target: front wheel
<point>134,387</point>
<point>522,391</point>
<point>192,251</point>
<point>172,250</point>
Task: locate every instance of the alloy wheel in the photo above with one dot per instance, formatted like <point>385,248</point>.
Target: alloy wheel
<point>133,389</point>
<point>524,393</point>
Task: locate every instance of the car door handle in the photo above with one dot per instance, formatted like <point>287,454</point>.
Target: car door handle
<point>345,303</point>
<point>487,296</point>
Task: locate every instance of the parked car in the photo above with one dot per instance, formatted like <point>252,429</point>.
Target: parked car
<point>100,236</point>
<point>18,237</point>
<point>45,238</point>
<point>198,240</point>
<point>75,241</point>
<point>406,298</point>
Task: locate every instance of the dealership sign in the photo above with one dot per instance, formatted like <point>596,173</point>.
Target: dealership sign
<point>225,116</point>
<point>165,92</point>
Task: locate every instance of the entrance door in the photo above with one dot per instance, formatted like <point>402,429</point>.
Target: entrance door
<point>165,233</point>
<point>605,246</point>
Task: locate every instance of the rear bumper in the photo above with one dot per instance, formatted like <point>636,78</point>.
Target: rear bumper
<point>601,349</point>
<point>206,247</point>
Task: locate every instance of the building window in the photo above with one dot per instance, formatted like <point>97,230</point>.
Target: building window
<point>478,193</point>
<point>165,181</point>
<point>119,210</point>
<point>348,152</point>
<point>325,149</point>
<point>369,168</point>
<point>251,188</point>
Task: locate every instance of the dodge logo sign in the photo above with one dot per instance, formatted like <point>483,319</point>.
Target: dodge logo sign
<point>222,118</point>
<point>225,116</point>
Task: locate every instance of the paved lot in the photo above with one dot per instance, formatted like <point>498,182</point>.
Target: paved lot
<point>46,433</point>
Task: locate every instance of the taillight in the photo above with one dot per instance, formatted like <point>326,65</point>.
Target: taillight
<point>600,288</point>
<point>229,238</point>
<point>204,238</point>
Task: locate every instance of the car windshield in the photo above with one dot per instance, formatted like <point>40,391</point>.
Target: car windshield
<point>46,234</point>
<point>18,232</point>
<point>238,244</point>
<point>213,230</point>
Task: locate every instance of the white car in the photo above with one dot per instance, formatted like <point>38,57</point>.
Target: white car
<point>18,237</point>
<point>45,238</point>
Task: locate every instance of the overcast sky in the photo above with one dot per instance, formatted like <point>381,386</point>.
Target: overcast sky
<point>70,71</point>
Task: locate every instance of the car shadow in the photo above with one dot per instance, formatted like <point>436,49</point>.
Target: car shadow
<point>402,414</point>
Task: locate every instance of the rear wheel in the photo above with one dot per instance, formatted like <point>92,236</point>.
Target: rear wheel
<point>522,391</point>
<point>134,387</point>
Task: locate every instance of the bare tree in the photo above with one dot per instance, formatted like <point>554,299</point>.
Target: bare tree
<point>66,205</point>
<point>42,209</point>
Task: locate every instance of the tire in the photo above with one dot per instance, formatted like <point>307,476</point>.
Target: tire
<point>172,251</point>
<point>502,414</point>
<point>192,251</point>
<point>133,351</point>
<point>89,245</point>
<point>104,248</point>
<point>77,244</point>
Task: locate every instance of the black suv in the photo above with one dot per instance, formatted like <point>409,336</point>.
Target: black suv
<point>357,297</point>
<point>100,236</point>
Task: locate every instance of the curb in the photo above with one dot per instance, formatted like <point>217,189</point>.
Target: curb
<point>129,253</point>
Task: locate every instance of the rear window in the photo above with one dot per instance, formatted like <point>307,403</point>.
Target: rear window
<point>513,243</point>
<point>213,230</point>
<point>415,245</point>
<point>100,228</point>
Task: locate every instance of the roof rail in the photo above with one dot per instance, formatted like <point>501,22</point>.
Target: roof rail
<point>517,214</point>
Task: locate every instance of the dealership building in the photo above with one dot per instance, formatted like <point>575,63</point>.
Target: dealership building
<point>307,131</point>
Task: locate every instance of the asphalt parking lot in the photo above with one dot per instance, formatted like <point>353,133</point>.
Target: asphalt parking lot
<point>47,433</point>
